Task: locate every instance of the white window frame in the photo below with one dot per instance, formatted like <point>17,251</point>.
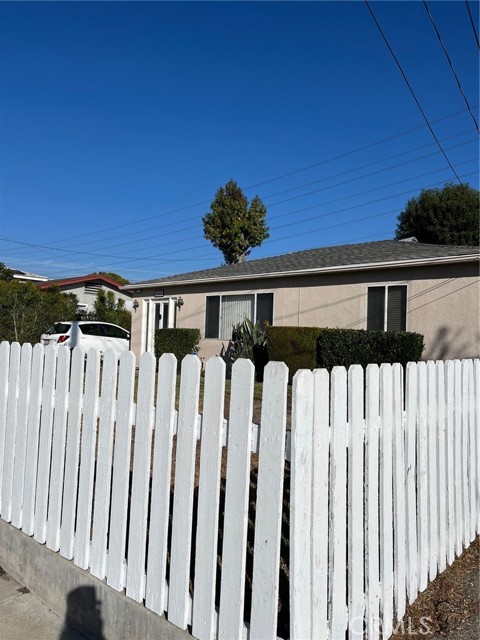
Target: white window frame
<point>148,320</point>
<point>385,310</point>
<point>236,293</point>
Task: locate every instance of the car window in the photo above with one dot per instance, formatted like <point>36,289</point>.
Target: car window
<point>116,332</point>
<point>59,327</point>
<point>92,329</point>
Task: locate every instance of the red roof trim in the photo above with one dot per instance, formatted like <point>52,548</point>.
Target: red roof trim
<point>90,278</point>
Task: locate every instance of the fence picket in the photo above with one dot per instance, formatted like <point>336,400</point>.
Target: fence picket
<point>58,450</point>
<point>203,616</point>
<point>155,596</point>
<point>121,473</point>
<point>141,478</point>
<point>21,435</point>
<point>355,501</point>
<point>72,453</point>
<point>321,468</point>
<point>422,477</point>
<point>450,455</point>
<point>103,474</point>
<point>411,398</point>
<point>232,593</point>
<point>457,411</point>
<point>10,432</point>
<point>4,369</point>
<point>432,468</point>
<point>465,456</point>
<point>178,595</point>
<point>81,547</point>
<point>386,498</point>
<point>476,405</point>
<point>442,489</point>
<point>372,568</point>
<point>268,520</point>
<point>45,445</point>
<point>338,503</point>
<point>473,462</point>
<point>399,511</point>
<point>33,432</point>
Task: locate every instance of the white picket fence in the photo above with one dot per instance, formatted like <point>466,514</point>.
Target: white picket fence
<point>384,489</point>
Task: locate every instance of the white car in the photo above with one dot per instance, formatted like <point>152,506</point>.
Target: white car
<point>88,334</point>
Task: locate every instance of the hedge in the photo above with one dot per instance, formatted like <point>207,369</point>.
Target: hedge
<point>309,347</point>
<point>180,342</point>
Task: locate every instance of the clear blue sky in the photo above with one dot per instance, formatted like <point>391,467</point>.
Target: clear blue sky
<point>119,121</point>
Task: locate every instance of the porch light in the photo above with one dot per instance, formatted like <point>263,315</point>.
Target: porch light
<point>135,305</point>
<point>179,302</point>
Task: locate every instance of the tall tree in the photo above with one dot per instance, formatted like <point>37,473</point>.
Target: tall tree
<point>6,274</point>
<point>114,276</point>
<point>232,225</point>
<point>442,216</point>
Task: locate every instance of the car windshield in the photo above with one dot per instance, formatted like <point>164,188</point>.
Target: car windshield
<point>59,327</point>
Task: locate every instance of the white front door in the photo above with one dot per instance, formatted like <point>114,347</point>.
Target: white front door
<point>160,314</point>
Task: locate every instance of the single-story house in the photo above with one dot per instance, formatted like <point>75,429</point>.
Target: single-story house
<point>388,285</point>
<point>87,287</point>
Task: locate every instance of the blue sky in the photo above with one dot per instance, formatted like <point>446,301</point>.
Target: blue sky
<point>120,120</point>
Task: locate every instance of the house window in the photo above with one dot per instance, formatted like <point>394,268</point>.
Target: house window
<point>222,312</point>
<point>387,308</point>
<point>92,288</point>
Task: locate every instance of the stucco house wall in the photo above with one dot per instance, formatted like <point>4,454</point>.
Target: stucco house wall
<point>443,303</point>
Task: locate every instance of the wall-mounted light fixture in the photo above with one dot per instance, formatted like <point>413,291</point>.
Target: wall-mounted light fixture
<point>179,302</point>
<point>135,305</point>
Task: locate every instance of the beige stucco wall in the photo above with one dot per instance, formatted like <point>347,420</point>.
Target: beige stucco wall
<point>443,303</point>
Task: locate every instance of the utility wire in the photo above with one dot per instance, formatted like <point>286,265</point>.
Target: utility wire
<point>450,62</point>
<point>472,23</point>
<point>411,90</point>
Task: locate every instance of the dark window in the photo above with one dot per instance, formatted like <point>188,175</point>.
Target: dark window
<point>212,317</point>
<point>376,308</point>
<point>395,300</point>
<point>265,308</point>
<point>116,332</point>
<point>59,327</point>
<point>92,329</point>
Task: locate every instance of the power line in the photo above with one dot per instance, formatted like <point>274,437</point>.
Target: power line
<point>449,62</point>
<point>472,23</point>
<point>411,90</point>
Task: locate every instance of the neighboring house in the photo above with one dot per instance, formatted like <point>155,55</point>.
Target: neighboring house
<point>387,285</point>
<point>87,287</point>
<point>25,276</point>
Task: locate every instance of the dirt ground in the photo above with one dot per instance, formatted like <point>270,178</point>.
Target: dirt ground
<point>449,607</point>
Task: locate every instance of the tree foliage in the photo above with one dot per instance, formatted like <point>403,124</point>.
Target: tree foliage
<point>232,225</point>
<point>6,274</point>
<point>107,308</point>
<point>26,311</point>
<point>442,216</point>
<point>114,276</point>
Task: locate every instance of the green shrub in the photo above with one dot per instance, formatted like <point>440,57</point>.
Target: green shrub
<point>307,348</point>
<point>180,342</point>
<point>296,346</point>
<point>345,347</point>
<point>249,340</point>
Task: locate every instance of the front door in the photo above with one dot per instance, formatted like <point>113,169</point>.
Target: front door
<point>161,314</point>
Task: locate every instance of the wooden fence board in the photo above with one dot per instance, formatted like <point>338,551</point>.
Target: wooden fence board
<point>465,456</point>
<point>472,449</point>
<point>21,435</point>
<point>103,473</point>
<point>411,488</point>
<point>178,596</point>
<point>155,597</point>
<point>6,470</point>
<point>399,511</point>
<point>206,551</point>
<point>432,469</point>
<point>269,507</point>
<point>422,477</point>
<point>450,455</point>
<point>442,488</point>
<point>4,369</point>
<point>234,549</point>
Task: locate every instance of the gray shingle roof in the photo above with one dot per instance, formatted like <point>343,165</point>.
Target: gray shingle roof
<point>324,257</point>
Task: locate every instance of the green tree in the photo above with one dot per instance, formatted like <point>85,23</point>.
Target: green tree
<point>26,311</point>
<point>6,274</point>
<point>442,216</point>
<point>108,309</point>
<point>232,225</point>
<point>114,276</point>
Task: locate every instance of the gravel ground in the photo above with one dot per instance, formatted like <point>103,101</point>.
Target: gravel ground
<point>450,606</point>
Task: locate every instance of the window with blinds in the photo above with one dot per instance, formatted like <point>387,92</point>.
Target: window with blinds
<point>222,312</point>
<point>387,308</point>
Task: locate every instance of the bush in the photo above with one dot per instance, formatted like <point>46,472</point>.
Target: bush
<point>296,346</point>
<point>308,348</point>
<point>180,342</point>
<point>249,341</point>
